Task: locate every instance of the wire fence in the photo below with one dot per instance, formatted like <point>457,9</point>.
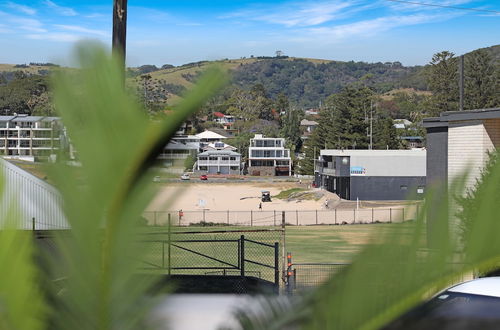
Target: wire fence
<point>275,217</point>
<point>216,251</point>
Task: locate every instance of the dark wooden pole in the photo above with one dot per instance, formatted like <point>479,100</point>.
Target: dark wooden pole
<point>120,30</point>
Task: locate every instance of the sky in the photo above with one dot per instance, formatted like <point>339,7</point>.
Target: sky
<point>178,32</point>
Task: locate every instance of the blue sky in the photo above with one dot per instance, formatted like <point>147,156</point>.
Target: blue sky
<point>177,32</point>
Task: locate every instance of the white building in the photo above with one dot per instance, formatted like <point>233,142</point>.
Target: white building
<point>217,146</point>
<point>209,136</point>
<point>219,162</point>
<point>27,137</point>
<point>268,157</point>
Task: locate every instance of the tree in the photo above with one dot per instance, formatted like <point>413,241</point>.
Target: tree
<point>481,86</point>
<point>442,79</point>
<point>384,134</point>
<point>291,129</point>
<point>26,94</point>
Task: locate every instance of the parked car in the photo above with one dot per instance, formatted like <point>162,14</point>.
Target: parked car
<point>470,305</point>
<point>185,176</point>
<point>203,177</point>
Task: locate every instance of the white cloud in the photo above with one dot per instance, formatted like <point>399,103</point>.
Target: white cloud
<point>373,26</point>
<point>76,28</point>
<point>64,11</point>
<point>28,24</point>
<point>58,37</point>
<point>301,14</point>
<point>24,9</point>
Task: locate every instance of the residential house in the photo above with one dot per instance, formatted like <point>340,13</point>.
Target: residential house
<point>219,162</point>
<point>30,137</point>
<point>268,157</point>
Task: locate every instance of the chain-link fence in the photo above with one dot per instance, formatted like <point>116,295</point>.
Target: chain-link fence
<point>274,217</point>
<point>306,276</point>
<point>221,251</point>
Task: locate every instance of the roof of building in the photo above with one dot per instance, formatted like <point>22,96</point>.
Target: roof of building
<point>218,114</point>
<point>305,122</point>
<point>261,137</point>
<point>210,135</point>
<point>26,118</point>
<point>174,145</point>
<point>219,152</point>
<point>219,146</point>
<point>402,121</point>
<point>365,152</point>
<point>445,117</point>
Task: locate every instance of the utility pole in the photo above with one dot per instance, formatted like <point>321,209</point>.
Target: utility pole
<point>461,81</point>
<point>371,124</point>
<point>120,31</point>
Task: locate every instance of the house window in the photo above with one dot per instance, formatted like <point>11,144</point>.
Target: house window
<point>212,158</point>
<point>225,158</point>
<point>234,168</point>
<point>232,158</point>
<point>403,187</point>
<point>203,158</point>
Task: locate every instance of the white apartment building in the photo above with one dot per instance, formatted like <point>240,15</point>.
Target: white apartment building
<point>268,157</point>
<point>27,137</point>
<point>219,162</point>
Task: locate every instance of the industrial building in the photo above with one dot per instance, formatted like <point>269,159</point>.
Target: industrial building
<point>372,174</point>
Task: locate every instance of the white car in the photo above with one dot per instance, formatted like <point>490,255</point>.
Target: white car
<point>470,305</point>
<point>185,176</point>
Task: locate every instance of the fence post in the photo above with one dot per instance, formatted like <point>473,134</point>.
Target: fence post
<point>390,214</point>
<point>297,217</point>
<point>288,273</point>
<point>242,255</point>
<point>169,242</point>
<point>33,224</point>
<point>228,217</point>
<point>335,216</point>
<point>372,214</point>
<point>316,216</point>
<point>251,218</point>
<point>276,266</point>
<point>354,219</point>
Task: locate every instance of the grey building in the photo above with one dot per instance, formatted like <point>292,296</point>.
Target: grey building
<point>458,141</point>
<point>372,174</point>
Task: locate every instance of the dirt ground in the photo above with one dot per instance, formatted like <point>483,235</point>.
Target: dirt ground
<point>230,196</point>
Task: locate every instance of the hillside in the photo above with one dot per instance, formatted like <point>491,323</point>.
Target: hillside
<point>305,81</point>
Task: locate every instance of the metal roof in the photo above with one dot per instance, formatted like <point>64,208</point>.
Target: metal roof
<point>31,199</point>
<point>365,152</point>
<point>210,135</point>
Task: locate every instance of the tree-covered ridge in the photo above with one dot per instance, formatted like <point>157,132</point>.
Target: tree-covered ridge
<point>306,83</point>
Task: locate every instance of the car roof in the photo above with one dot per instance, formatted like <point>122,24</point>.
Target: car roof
<point>487,286</point>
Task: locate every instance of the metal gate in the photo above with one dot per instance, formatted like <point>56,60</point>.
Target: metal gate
<point>252,253</point>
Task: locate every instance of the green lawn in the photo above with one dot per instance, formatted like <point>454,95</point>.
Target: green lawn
<point>308,244</point>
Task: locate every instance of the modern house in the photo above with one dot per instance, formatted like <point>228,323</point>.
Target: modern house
<point>459,141</point>
<point>268,157</point>
<point>30,137</point>
<point>372,174</point>
<point>219,162</point>
<point>308,126</point>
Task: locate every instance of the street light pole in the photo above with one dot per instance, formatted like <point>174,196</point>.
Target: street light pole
<point>120,31</point>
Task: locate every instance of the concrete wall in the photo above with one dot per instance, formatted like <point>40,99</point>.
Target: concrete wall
<point>393,165</point>
<point>437,155</point>
<point>468,144</point>
<point>385,188</point>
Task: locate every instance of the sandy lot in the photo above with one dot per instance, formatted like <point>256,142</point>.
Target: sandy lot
<point>228,196</point>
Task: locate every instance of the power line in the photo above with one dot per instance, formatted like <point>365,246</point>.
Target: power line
<point>444,6</point>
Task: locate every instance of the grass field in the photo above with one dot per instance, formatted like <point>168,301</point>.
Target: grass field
<point>329,243</point>
<point>308,244</point>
